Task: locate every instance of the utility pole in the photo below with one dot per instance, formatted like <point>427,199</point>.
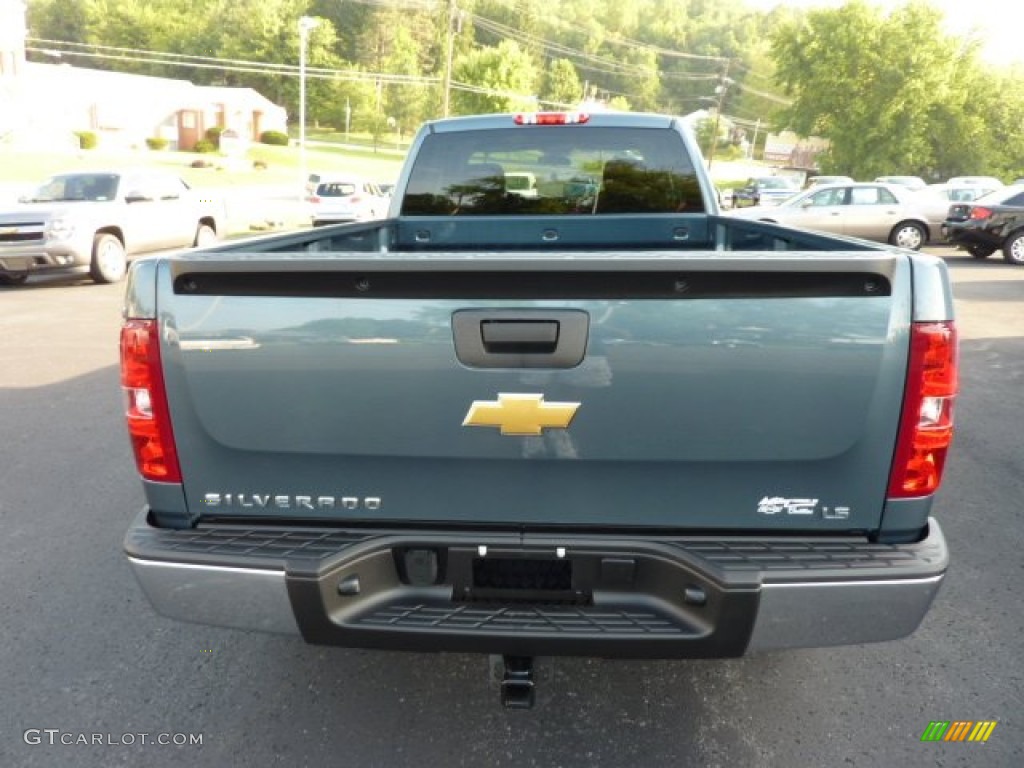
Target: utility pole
<point>450,45</point>
<point>757,127</point>
<point>306,23</point>
<point>721,91</point>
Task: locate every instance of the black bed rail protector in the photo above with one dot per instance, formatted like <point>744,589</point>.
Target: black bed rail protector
<point>621,283</point>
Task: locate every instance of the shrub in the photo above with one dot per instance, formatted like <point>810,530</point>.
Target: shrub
<point>157,142</point>
<point>86,139</point>
<point>213,135</point>
<point>204,146</point>
<point>277,138</point>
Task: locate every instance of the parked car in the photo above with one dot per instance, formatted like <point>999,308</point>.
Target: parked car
<point>522,183</point>
<point>912,183</point>
<point>344,198</point>
<point>817,181</point>
<point>936,199</point>
<point>992,222</point>
<point>95,221</point>
<point>764,190</point>
<point>970,181</point>
<point>882,212</point>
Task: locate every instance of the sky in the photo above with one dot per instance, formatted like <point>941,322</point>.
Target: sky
<point>998,21</point>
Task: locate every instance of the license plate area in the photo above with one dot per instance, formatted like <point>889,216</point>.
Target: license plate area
<point>510,578</point>
<point>522,573</point>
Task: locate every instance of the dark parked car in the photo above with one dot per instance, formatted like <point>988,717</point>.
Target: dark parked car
<point>992,222</point>
<point>764,190</point>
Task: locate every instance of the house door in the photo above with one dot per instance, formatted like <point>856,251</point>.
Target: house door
<point>188,128</point>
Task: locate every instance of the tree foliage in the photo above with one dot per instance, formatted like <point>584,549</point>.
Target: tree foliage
<point>887,90</point>
<point>892,92</point>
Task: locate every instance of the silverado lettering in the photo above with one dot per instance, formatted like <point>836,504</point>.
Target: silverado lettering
<point>701,436</point>
<point>281,501</point>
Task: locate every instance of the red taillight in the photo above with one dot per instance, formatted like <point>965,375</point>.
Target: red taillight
<point>312,199</point>
<point>355,199</point>
<point>980,212</point>
<point>551,118</point>
<point>926,426</point>
<point>149,421</point>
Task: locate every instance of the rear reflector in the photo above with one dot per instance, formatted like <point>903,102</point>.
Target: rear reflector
<point>551,118</point>
<point>926,426</point>
<point>149,421</point>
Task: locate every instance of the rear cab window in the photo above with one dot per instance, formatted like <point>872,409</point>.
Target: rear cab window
<point>552,170</point>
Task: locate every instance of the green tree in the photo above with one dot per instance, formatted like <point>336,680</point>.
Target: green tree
<point>867,82</point>
<point>501,79</point>
<point>561,85</point>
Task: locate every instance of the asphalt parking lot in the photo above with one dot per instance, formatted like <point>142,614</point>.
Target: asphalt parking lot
<point>83,656</point>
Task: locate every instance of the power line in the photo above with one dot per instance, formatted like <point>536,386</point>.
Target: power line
<point>763,95</point>
<point>135,55</point>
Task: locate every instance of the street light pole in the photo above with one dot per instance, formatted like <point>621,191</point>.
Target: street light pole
<point>306,23</point>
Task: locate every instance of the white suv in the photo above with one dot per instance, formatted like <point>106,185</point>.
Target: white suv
<point>343,198</point>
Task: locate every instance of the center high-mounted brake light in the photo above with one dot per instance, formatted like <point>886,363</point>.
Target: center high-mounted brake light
<point>149,421</point>
<point>926,426</point>
<point>551,118</point>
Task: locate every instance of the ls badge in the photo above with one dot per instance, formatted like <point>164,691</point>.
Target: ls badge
<point>516,414</point>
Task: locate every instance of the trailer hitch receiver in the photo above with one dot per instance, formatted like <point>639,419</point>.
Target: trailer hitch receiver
<point>517,686</point>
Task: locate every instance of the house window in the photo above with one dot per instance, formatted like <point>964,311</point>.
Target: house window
<point>188,120</point>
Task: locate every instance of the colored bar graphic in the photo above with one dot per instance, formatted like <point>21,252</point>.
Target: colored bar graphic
<point>935,731</point>
<point>982,730</point>
<point>959,730</point>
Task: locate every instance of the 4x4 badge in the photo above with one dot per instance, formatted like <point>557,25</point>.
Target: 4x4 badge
<point>520,414</point>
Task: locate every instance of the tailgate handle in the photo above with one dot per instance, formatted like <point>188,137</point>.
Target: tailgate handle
<point>520,338</point>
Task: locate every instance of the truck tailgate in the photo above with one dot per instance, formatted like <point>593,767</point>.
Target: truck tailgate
<point>700,391</point>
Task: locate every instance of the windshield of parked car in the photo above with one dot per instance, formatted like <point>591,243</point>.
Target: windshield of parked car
<point>92,187</point>
<point>578,170</point>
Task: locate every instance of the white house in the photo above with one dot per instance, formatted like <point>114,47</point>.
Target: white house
<point>44,104</point>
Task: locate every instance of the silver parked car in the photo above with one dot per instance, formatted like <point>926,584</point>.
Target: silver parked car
<point>882,212</point>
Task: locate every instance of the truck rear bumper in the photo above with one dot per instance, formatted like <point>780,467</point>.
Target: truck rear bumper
<point>540,594</point>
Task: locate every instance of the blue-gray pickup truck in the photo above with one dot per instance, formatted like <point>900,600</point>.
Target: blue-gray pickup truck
<point>601,419</point>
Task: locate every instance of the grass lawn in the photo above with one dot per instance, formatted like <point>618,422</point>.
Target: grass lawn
<point>26,167</point>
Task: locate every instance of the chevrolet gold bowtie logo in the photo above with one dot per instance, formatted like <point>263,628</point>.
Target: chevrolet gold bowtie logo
<point>520,414</point>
